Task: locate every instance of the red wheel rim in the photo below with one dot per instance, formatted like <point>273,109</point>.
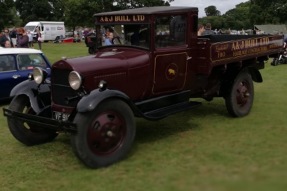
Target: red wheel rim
<point>242,93</point>
<point>106,134</point>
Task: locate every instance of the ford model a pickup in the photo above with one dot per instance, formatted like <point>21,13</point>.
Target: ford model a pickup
<point>153,66</point>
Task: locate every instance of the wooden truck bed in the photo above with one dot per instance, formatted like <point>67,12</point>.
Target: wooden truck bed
<point>216,50</point>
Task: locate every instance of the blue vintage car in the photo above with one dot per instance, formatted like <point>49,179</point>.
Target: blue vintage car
<point>15,66</point>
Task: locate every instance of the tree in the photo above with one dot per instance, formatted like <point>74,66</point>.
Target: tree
<point>80,12</point>
<point>40,10</point>
<point>124,4</point>
<point>212,11</point>
<point>266,11</point>
<point>6,13</point>
<point>239,17</point>
<point>217,22</point>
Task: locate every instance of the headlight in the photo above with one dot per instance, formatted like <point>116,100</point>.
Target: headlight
<point>39,75</point>
<point>75,80</point>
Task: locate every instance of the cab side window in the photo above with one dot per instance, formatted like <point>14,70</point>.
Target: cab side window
<point>170,31</point>
<point>7,63</point>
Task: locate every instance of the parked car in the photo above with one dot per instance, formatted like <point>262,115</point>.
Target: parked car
<point>69,34</point>
<point>15,66</point>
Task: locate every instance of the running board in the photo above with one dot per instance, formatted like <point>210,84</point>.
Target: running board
<point>169,110</point>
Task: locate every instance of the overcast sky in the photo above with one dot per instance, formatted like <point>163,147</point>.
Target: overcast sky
<point>221,5</point>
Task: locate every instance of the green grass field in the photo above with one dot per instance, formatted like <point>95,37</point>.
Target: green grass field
<point>199,150</point>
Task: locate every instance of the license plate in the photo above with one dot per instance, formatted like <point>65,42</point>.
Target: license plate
<point>61,116</point>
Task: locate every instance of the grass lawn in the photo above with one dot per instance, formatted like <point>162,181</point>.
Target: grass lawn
<point>55,51</point>
<point>200,150</point>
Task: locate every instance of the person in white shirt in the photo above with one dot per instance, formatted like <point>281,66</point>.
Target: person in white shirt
<point>30,36</point>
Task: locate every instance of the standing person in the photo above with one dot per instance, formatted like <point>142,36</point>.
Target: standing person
<point>200,29</point>
<point>22,38</point>
<point>5,37</point>
<point>7,44</point>
<point>208,30</point>
<point>13,35</point>
<point>30,43</point>
<point>109,35</point>
<point>39,38</point>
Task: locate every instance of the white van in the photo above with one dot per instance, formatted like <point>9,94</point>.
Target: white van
<point>50,30</point>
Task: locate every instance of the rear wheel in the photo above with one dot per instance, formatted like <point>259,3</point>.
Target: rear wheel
<point>26,133</point>
<point>239,98</point>
<point>105,135</point>
<point>91,50</point>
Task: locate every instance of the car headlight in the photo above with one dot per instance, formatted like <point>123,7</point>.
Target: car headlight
<point>75,80</point>
<point>39,75</point>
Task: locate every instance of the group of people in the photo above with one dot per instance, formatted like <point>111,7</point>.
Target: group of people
<point>204,30</point>
<point>19,38</point>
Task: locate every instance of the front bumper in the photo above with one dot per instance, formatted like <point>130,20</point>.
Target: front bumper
<point>41,122</point>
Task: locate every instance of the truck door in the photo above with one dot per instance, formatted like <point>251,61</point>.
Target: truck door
<point>170,60</point>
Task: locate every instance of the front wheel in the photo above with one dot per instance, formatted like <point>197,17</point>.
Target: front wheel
<point>105,135</point>
<point>28,134</point>
<point>239,98</point>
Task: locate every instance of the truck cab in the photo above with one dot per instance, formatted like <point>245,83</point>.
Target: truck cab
<point>167,36</point>
<point>148,63</point>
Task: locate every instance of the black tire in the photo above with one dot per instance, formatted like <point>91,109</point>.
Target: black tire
<point>104,135</point>
<point>27,134</point>
<point>91,50</point>
<point>239,98</point>
<point>276,62</point>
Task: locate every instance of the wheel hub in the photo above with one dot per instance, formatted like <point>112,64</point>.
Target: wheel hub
<point>106,134</point>
<point>242,94</point>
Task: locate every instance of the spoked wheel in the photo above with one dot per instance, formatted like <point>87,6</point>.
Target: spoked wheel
<point>240,97</point>
<point>26,133</point>
<point>105,135</point>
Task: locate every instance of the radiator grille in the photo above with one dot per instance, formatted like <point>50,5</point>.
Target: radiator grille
<point>61,89</point>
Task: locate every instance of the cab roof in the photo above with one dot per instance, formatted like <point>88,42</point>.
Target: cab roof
<point>149,11</point>
<point>19,51</point>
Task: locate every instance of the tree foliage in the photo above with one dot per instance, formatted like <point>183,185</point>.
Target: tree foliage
<point>80,12</point>
<point>268,12</point>
<point>50,10</point>
<point>239,17</point>
<point>212,11</point>
<point>6,13</point>
<point>75,12</point>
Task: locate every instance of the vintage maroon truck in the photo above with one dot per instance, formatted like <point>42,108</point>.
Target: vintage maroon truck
<point>154,66</point>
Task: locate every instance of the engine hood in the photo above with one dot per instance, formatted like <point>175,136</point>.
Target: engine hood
<point>107,60</point>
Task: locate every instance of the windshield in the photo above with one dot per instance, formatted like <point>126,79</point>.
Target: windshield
<point>30,61</point>
<point>128,35</point>
<point>30,28</point>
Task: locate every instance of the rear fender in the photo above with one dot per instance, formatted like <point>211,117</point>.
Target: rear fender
<point>39,95</point>
<point>255,74</point>
<point>91,101</point>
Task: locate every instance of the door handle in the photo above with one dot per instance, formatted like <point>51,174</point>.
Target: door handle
<point>189,58</point>
<point>16,76</point>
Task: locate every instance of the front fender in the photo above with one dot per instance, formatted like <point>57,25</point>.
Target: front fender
<point>38,94</point>
<point>90,102</point>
